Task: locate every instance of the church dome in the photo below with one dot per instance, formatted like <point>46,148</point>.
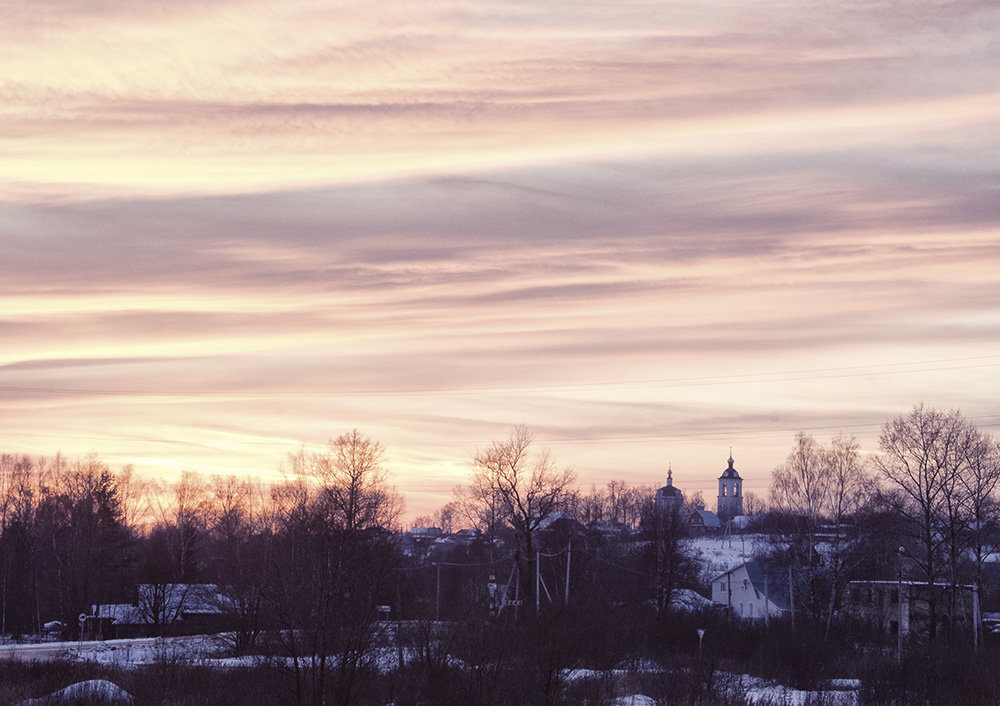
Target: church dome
<point>730,472</point>
<point>669,492</point>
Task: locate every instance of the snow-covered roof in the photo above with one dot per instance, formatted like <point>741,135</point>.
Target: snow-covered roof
<point>426,532</point>
<point>165,603</point>
<point>554,517</point>
<point>120,613</point>
<point>191,598</point>
<point>708,518</point>
<point>608,527</point>
<point>741,521</point>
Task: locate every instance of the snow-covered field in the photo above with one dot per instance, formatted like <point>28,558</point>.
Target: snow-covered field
<point>208,650</point>
<point>201,650</point>
<point>839,692</point>
<point>136,651</point>
<point>717,554</point>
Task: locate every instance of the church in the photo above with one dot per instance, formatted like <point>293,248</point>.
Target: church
<point>729,504</point>
<point>668,498</point>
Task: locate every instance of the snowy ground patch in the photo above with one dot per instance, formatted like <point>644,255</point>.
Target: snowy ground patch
<point>85,692</point>
<point>718,554</point>
<point>839,692</point>
<point>634,700</point>
<point>136,652</point>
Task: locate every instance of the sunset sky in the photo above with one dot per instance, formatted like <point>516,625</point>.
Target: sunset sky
<point>647,230</point>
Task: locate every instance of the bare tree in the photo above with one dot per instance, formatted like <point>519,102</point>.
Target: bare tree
<point>479,504</point>
<point>240,554</point>
<point>802,487</point>
<point>664,529</point>
<point>981,480</point>
<point>820,488</point>
<point>850,489</point>
<point>331,564</point>
<point>512,486</point>
<point>921,461</point>
<point>753,504</point>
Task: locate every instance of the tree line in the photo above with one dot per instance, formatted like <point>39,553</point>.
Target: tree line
<point>924,507</point>
<point>308,567</point>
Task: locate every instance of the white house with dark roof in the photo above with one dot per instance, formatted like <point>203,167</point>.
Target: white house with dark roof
<point>754,590</point>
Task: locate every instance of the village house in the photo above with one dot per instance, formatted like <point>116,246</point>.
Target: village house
<point>159,609</point>
<point>754,590</point>
<point>702,522</point>
<point>889,607</point>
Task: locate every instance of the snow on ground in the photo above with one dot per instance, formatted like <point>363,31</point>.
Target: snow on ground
<point>840,692</point>
<point>206,651</point>
<point>579,674</point>
<point>718,554</point>
<point>94,690</point>
<point>688,600</point>
<point>134,652</point>
<point>634,700</point>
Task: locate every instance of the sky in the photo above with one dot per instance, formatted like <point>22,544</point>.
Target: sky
<point>649,231</point>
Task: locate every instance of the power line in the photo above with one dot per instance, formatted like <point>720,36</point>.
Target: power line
<point>617,566</point>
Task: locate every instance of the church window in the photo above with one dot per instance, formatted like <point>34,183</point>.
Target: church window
<point>724,489</point>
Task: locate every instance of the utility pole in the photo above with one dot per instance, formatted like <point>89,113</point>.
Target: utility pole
<point>767,598</point>
<point>437,595</point>
<point>975,617</point>
<point>729,592</point>
<point>569,558</point>
<point>399,617</point>
<point>517,590</point>
<point>538,577</point>
<point>791,596</point>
